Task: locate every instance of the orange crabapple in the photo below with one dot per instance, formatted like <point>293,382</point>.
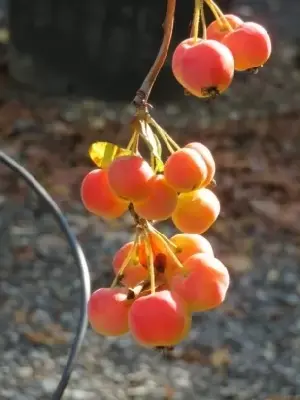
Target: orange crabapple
<point>204,284</point>
<point>196,211</point>
<point>208,159</point>
<point>159,319</point>
<point>185,170</point>
<point>160,203</point>
<point>250,45</point>
<point>217,29</point>
<point>203,67</point>
<point>189,244</point>
<point>108,311</point>
<point>134,272</point>
<point>98,198</point>
<point>129,177</point>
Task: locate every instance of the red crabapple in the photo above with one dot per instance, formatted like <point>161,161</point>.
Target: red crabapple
<point>185,170</point>
<point>98,198</point>
<point>129,177</point>
<point>217,29</point>
<point>160,203</point>
<point>108,311</point>
<point>250,45</point>
<point>204,68</point>
<point>196,211</point>
<point>159,319</point>
<point>204,284</point>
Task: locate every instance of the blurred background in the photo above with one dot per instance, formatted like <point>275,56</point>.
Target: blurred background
<point>68,73</point>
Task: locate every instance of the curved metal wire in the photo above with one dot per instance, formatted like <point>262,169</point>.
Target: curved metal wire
<point>81,263</point>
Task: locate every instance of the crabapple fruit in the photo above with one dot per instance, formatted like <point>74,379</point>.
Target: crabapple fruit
<point>196,211</point>
<point>204,284</point>
<point>98,198</point>
<point>204,68</point>
<point>108,311</point>
<point>185,170</point>
<point>217,29</point>
<point>129,177</point>
<point>208,159</point>
<point>134,272</point>
<point>159,319</point>
<point>250,45</point>
<point>189,244</point>
<point>160,203</point>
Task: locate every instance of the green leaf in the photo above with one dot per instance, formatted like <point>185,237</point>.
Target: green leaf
<point>104,153</point>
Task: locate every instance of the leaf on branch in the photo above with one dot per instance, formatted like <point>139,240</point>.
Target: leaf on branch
<point>153,144</point>
<point>104,153</point>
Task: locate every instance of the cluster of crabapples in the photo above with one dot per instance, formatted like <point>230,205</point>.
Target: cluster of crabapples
<point>159,281</point>
<point>205,66</point>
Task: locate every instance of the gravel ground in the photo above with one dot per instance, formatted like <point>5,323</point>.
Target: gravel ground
<point>249,349</point>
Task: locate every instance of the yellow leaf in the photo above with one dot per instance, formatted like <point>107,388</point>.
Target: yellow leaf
<point>103,153</point>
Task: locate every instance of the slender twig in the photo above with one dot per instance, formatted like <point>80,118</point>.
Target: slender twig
<point>144,91</point>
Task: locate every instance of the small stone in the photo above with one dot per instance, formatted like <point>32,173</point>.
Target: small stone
<point>51,245</point>
<point>49,384</point>
<point>25,372</point>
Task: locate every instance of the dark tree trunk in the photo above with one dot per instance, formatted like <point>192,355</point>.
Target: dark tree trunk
<point>101,48</point>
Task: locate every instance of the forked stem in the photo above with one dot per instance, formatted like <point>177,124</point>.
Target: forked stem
<point>142,95</point>
<point>219,15</point>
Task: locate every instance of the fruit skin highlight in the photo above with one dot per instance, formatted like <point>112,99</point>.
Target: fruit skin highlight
<point>160,203</point>
<point>216,30</point>
<point>129,177</point>
<point>98,198</point>
<point>108,311</point>
<point>196,211</point>
<point>204,68</point>
<point>159,319</point>
<point>250,46</point>
<point>205,283</point>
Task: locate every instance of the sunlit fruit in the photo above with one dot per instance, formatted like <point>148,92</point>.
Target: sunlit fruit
<point>250,45</point>
<point>160,203</point>
<point>204,68</point>
<point>98,198</point>
<point>159,319</point>
<point>108,311</point>
<point>204,284</point>
<point>217,29</point>
<point>208,159</point>
<point>196,211</point>
<point>129,177</point>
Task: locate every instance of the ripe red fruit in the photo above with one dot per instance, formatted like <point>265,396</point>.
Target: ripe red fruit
<point>160,203</point>
<point>98,198</point>
<point>217,29</point>
<point>204,68</point>
<point>159,319</point>
<point>185,170</point>
<point>134,272</point>
<point>208,159</point>
<point>250,45</point>
<point>108,311</point>
<point>205,283</point>
<point>196,211</point>
<point>129,177</point>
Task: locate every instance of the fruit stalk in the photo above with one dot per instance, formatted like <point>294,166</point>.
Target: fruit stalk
<point>196,20</point>
<point>143,93</point>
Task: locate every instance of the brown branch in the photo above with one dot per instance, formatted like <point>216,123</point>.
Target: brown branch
<point>143,93</point>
